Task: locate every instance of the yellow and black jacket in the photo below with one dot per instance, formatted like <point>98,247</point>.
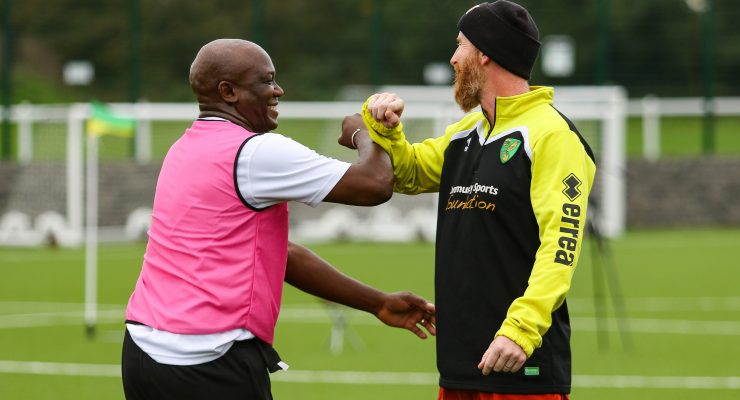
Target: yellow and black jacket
<point>512,207</point>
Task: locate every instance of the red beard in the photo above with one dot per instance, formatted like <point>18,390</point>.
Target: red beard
<point>468,84</point>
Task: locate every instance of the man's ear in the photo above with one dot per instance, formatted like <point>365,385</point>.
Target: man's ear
<point>227,92</point>
<point>483,59</point>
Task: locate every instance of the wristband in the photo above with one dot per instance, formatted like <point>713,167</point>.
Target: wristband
<point>354,146</point>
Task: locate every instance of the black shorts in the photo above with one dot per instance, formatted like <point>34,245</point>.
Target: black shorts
<point>241,373</point>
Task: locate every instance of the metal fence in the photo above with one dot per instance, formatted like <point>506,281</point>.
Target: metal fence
<point>604,109</point>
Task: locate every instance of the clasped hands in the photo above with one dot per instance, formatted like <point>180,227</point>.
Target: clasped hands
<point>385,108</point>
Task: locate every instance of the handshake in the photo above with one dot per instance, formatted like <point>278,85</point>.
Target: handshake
<point>385,108</point>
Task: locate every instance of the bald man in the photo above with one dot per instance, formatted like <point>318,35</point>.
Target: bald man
<point>200,322</point>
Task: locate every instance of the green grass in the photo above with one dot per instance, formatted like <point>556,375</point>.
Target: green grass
<point>682,136</point>
<point>680,289</point>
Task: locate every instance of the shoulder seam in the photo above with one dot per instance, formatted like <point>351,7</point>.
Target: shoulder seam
<point>236,182</point>
<point>573,129</point>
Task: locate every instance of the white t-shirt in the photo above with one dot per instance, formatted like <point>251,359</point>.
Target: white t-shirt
<point>273,169</point>
<point>270,169</point>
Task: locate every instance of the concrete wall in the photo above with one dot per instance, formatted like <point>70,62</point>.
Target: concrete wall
<point>666,193</point>
<point>683,192</point>
<point>40,187</point>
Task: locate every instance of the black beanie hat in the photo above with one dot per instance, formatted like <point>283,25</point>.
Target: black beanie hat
<point>505,32</point>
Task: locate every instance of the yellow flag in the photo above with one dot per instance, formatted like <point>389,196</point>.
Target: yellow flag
<point>103,122</point>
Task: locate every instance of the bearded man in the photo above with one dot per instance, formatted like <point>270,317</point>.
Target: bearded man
<point>513,183</point>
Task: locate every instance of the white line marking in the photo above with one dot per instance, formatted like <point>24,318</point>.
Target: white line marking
<point>357,377</point>
<point>40,306</point>
<point>37,315</point>
<point>657,382</point>
<point>575,304</point>
<point>662,304</point>
<point>388,378</point>
<point>671,242</point>
<point>68,369</point>
<point>662,326</point>
<point>56,319</point>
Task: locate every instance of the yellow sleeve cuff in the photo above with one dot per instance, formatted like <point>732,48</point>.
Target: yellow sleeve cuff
<point>517,336</point>
<point>377,126</point>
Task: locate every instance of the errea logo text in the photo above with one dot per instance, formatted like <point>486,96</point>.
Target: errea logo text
<point>568,242</point>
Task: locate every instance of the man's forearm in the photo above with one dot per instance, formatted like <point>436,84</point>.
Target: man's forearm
<point>369,180</point>
<point>312,274</point>
<point>372,157</point>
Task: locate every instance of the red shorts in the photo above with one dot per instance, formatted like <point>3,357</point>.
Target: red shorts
<point>457,394</point>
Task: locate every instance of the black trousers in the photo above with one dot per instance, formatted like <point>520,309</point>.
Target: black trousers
<point>241,373</point>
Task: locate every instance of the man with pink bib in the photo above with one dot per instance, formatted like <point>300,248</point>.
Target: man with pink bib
<point>200,322</point>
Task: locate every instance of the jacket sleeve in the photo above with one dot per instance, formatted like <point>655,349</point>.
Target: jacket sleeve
<point>416,167</point>
<point>562,176</point>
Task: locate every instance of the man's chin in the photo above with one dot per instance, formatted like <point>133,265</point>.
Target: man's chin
<point>466,103</point>
<point>271,124</point>
<point>466,106</point>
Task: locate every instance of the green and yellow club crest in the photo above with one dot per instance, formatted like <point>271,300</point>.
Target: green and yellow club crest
<point>509,148</point>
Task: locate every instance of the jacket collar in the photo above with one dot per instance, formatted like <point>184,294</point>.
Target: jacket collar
<point>514,106</point>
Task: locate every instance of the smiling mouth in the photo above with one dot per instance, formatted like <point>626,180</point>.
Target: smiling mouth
<point>272,107</point>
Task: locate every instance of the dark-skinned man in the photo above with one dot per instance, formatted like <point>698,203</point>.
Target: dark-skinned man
<point>200,322</point>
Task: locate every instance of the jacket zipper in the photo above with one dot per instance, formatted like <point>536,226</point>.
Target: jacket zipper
<point>482,148</point>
